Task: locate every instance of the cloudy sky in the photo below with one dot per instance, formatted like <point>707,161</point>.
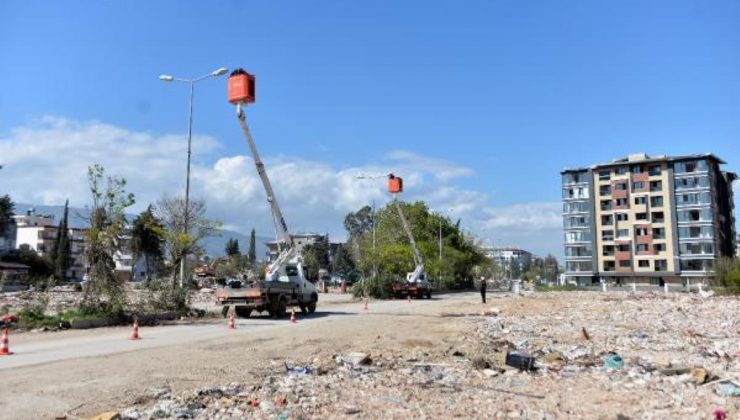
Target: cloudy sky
<point>478,105</point>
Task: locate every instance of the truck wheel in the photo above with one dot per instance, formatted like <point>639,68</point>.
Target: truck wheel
<point>304,308</point>
<point>429,294</point>
<point>242,312</point>
<point>312,306</point>
<point>282,308</point>
<point>225,311</point>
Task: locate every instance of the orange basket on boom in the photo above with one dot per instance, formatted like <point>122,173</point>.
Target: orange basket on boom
<point>241,87</point>
<point>395,184</point>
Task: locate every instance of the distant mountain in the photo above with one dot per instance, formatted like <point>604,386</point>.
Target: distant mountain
<point>78,218</point>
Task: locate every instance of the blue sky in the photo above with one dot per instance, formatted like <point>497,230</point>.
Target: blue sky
<point>512,90</point>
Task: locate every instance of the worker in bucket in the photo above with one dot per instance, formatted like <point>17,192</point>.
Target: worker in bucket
<point>483,289</point>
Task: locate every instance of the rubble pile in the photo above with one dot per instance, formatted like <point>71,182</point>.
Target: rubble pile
<point>63,298</point>
<point>544,356</point>
<point>56,300</point>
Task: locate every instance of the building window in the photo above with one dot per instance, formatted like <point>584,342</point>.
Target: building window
<point>654,170</point>
<point>607,250</point>
<point>641,231</point>
<point>623,248</point>
<point>696,265</point>
<point>625,263</point>
<point>605,190</point>
<point>608,265</point>
<point>642,248</point>
<point>621,186</point>
<point>607,235</point>
<point>621,170</point>
<point>705,232</point>
<point>658,217</point>
<point>621,202</point>
<point>643,263</point>
<point>656,201</point>
<point>623,233</point>
<point>637,186</point>
<point>606,205</point>
<point>636,169</point>
<point>641,216</point>
<point>607,220</point>
<point>640,201</point>
<point>661,265</point>
<point>658,233</point>
<point>659,248</point>
<point>605,175</point>
<point>691,166</point>
<point>622,217</point>
<point>656,186</point>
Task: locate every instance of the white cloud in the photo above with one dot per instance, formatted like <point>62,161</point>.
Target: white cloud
<point>46,163</point>
<point>529,216</point>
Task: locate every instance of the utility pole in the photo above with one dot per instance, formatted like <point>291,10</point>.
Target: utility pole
<point>191,82</point>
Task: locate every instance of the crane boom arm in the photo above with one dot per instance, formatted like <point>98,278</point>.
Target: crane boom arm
<point>419,270</point>
<point>281,228</point>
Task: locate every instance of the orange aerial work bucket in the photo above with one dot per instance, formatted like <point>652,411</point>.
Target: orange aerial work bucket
<point>395,184</point>
<point>241,87</point>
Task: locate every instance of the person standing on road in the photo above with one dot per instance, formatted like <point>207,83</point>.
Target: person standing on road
<point>483,290</point>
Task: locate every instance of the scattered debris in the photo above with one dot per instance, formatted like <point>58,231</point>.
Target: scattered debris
<point>728,388</point>
<point>520,361</point>
<point>613,361</point>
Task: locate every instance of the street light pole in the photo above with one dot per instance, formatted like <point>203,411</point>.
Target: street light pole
<point>186,217</point>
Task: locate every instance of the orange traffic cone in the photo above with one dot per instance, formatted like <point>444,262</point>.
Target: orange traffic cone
<point>4,348</point>
<point>135,331</point>
<point>232,323</point>
<point>365,308</point>
<point>292,316</point>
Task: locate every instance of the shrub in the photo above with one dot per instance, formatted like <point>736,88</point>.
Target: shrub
<point>164,297</point>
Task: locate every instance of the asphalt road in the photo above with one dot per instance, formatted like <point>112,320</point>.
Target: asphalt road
<point>31,350</point>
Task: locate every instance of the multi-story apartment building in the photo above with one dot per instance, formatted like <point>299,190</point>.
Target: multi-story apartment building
<point>39,232</point>
<point>513,261</point>
<point>662,219</point>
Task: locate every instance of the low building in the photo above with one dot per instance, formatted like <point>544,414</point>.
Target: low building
<point>13,277</point>
<point>300,239</point>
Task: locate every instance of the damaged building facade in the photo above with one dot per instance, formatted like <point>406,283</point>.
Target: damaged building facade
<point>648,220</point>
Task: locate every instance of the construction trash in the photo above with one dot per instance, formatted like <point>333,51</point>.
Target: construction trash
<point>532,360</point>
<point>729,389</point>
<point>613,361</point>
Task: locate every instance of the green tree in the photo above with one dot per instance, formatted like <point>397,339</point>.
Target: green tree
<point>146,240</point>
<point>252,252</point>
<point>171,211</point>
<point>232,247</point>
<point>393,255</point>
<point>39,268</point>
<point>343,263</point>
<point>61,253</point>
<point>359,222</point>
<point>6,214</point>
<point>727,273</point>
<point>105,291</point>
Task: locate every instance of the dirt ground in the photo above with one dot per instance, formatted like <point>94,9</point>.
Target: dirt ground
<point>429,359</point>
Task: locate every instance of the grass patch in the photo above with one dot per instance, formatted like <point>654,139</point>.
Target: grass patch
<point>32,317</point>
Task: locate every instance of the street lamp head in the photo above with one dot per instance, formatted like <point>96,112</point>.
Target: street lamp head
<point>220,72</point>
<point>166,78</point>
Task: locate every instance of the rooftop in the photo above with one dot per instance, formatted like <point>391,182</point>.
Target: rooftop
<point>644,158</point>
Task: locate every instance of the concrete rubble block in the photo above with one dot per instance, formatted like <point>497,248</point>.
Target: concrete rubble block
<point>357,359</point>
<point>111,415</point>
